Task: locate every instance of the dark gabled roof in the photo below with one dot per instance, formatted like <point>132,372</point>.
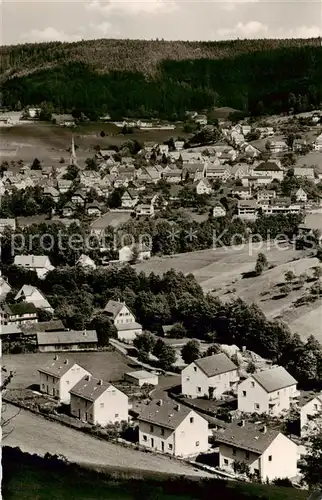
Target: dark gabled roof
<point>20,308</point>
<point>250,437</point>
<point>215,364</point>
<point>43,326</point>
<point>90,388</point>
<point>274,379</point>
<point>268,166</point>
<point>57,367</point>
<point>113,307</point>
<point>165,413</point>
<point>11,329</point>
<point>67,337</point>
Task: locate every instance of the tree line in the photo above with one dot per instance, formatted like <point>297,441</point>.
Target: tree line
<point>269,80</point>
<point>79,296</point>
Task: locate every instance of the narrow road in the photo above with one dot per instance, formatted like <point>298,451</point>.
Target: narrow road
<point>35,434</point>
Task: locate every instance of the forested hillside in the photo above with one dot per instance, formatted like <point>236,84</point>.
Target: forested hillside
<point>164,79</point>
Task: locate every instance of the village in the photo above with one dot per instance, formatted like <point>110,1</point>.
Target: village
<point>226,409</point>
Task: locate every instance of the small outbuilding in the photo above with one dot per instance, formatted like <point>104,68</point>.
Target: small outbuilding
<point>142,377</point>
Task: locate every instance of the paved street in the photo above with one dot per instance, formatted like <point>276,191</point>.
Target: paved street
<point>35,434</point>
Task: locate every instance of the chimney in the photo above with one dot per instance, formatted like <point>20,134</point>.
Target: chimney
<point>264,429</point>
<point>56,357</point>
<point>242,423</point>
<point>100,382</point>
<point>178,407</point>
<point>87,377</point>
<point>85,333</point>
<point>66,362</point>
<point>160,402</point>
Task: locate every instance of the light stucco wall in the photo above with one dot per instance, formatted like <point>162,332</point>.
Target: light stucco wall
<point>195,382</point>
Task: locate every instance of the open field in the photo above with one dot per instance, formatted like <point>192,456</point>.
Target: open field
<point>35,434</point>
<point>221,271</point>
<point>109,366</point>
<point>50,142</point>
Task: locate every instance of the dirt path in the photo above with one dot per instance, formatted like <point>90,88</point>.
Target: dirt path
<point>35,434</point>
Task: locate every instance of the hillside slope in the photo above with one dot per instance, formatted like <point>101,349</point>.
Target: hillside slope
<point>164,79</point>
<point>129,55</point>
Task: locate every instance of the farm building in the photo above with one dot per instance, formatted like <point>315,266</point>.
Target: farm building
<point>142,377</point>
<point>70,340</point>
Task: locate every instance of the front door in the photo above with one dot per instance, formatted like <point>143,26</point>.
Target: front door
<point>152,443</point>
<point>162,445</point>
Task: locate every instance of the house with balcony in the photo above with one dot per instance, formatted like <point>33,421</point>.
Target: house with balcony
<point>168,427</point>
<point>211,376</point>
<point>123,319</point>
<point>247,210</point>
<point>58,376</point>
<point>270,391</point>
<point>20,313</point>
<point>97,402</point>
<point>267,452</point>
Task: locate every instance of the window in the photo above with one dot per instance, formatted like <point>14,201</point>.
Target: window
<point>101,405</point>
<point>315,407</point>
<point>244,394</point>
<point>187,379</point>
<point>162,432</point>
<point>195,368</point>
<point>116,415</point>
<point>234,451</point>
<point>256,406</point>
<point>199,389</point>
<point>197,443</point>
<point>247,455</point>
<point>145,438</point>
<point>113,393</point>
<point>151,428</point>
<point>270,458</point>
<point>67,382</point>
<point>191,420</point>
<point>43,386</point>
<point>170,446</point>
<point>252,384</point>
<point>225,461</point>
<point>278,393</point>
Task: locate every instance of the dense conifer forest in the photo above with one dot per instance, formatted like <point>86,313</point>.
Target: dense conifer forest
<point>164,79</point>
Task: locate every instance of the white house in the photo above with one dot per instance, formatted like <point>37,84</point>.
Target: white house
<point>168,427</point>
<point>268,169</point>
<point>301,195</point>
<point>32,295</point>
<point>5,288</point>
<point>311,408</point>
<point>86,261</point>
<point>145,209</point>
<point>270,391</point>
<point>304,172</point>
<point>202,186</point>
<point>59,376</point>
<point>126,253</point>
<point>247,209</point>
<point>268,453</point>
<point>265,195</point>
<point>318,143</point>
<point>38,263</point>
<point>210,376</point>
<point>123,319</point>
<point>98,402</point>
<point>218,211</point>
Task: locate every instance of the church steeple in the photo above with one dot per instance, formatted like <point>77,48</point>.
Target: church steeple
<point>73,159</point>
